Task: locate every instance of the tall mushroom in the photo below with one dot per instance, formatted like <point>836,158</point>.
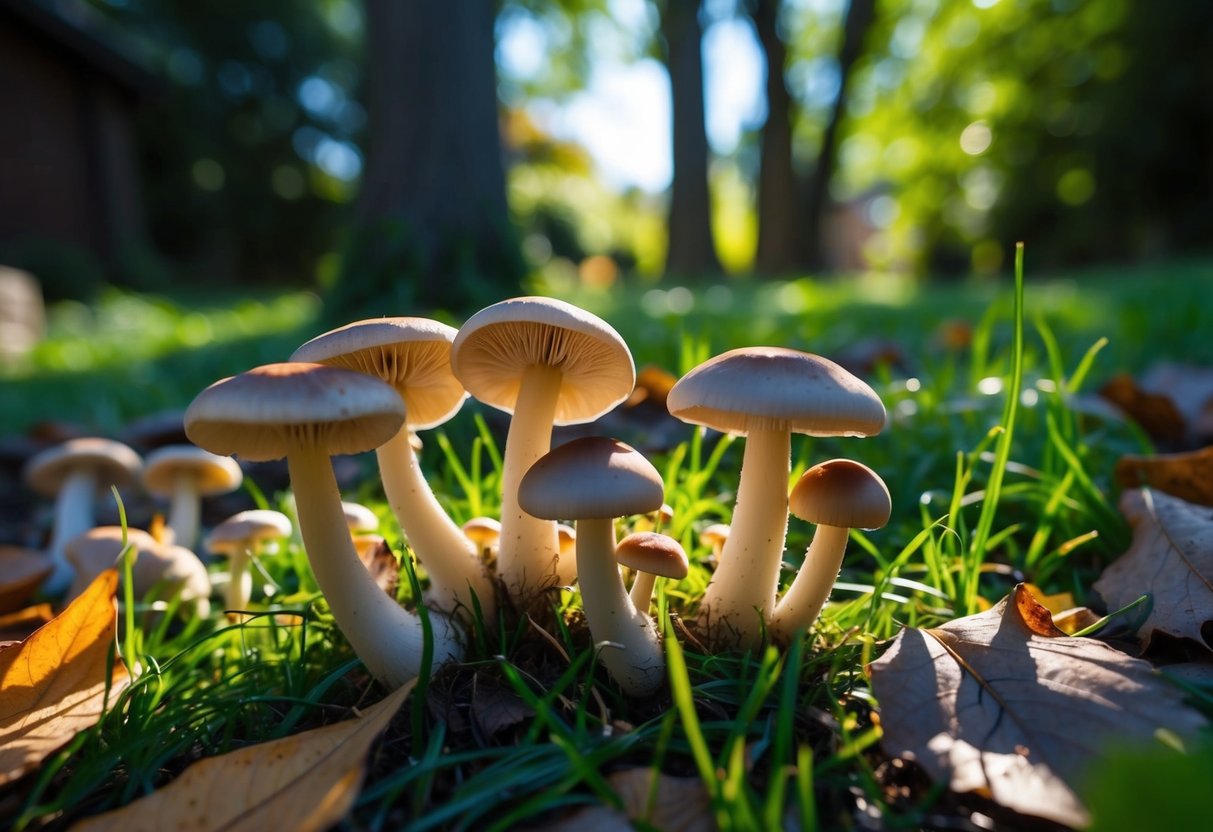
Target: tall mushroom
<point>186,474</point>
<point>73,473</point>
<point>592,481</point>
<point>413,355</point>
<point>546,362</point>
<point>765,393</point>
<point>838,495</point>
<point>306,412</point>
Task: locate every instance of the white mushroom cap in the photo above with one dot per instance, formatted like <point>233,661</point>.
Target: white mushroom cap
<point>482,531</point>
<point>591,477</point>
<point>212,474</point>
<point>496,344</point>
<point>114,464</point>
<point>411,354</point>
<point>714,536</point>
<point>246,528</point>
<point>260,413</point>
<point>359,518</point>
<point>841,493</point>
<point>776,388</point>
<point>654,553</point>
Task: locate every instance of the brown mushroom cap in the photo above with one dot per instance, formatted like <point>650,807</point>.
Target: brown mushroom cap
<point>213,474</point>
<point>768,388</point>
<point>841,493</point>
<point>654,553</point>
<point>247,526</point>
<point>115,463</point>
<point>591,477</point>
<point>411,354</point>
<point>260,414</point>
<point>496,344</point>
<point>482,531</point>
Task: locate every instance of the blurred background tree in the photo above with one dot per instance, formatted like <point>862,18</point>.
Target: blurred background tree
<point>398,158</point>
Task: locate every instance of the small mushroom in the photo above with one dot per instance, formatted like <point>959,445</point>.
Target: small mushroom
<point>413,356</point>
<point>546,362</point>
<point>186,474</point>
<point>566,546</point>
<point>484,532</point>
<point>240,537</point>
<point>653,555</point>
<point>306,412</point>
<point>73,473</point>
<point>838,495</point>
<point>766,393</point>
<point>592,481</point>
<point>714,537</point>
<point>175,569</point>
<point>358,518</point>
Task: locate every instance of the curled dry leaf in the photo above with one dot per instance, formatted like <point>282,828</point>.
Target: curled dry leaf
<point>659,801</point>
<point>1188,476</point>
<point>307,781</point>
<point>1003,704</point>
<point>1170,559</point>
<point>57,682</point>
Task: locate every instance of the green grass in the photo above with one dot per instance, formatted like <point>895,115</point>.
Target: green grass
<point>988,488</point>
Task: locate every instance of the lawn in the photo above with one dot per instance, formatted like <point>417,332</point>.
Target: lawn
<point>527,728</point>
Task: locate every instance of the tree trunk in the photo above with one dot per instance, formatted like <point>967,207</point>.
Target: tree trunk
<point>861,14</point>
<point>781,213</point>
<point>692,246</point>
<point>434,177</point>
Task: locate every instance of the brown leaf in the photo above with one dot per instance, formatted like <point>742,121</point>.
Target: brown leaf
<point>1188,476</point>
<point>378,559</point>
<point>1170,559</point>
<point>671,804</point>
<point>307,781</point>
<point>1156,413</point>
<point>53,684</point>
<point>20,625</point>
<point>992,707</point>
<point>21,573</point>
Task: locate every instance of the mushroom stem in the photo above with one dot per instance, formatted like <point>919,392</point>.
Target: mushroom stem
<point>739,598</point>
<point>450,559</point>
<point>641,592</point>
<point>184,510</point>
<point>811,587</point>
<point>384,635</point>
<point>240,583</point>
<point>637,663</point>
<point>528,554</point>
<point>73,516</point>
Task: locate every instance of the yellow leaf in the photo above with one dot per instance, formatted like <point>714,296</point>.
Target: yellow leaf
<point>307,781</point>
<point>53,684</point>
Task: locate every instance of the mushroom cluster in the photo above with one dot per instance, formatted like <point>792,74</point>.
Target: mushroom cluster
<point>372,384</point>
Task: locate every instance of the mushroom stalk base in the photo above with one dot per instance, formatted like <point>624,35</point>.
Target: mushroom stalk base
<point>184,510</point>
<point>384,635</point>
<point>634,659</point>
<point>809,591</point>
<point>73,516</point>
<point>528,553</point>
<point>739,599</point>
<point>449,558</point>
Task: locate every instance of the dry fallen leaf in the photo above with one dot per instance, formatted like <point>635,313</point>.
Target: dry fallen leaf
<point>671,804</point>
<point>1188,476</point>
<point>53,684</point>
<point>1170,559</point>
<point>21,573</point>
<point>17,626</point>
<point>378,559</point>
<point>1155,412</point>
<point>307,781</point>
<point>1003,704</point>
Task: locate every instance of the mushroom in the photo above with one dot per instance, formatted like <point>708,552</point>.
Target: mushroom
<point>238,538</point>
<point>838,495</point>
<point>653,555</point>
<point>413,356</point>
<point>484,532</point>
<point>566,546</point>
<point>186,474</point>
<point>306,412</point>
<point>174,568</point>
<point>766,393</point>
<point>714,537</point>
<point>73,473</point>
<point>358,518</point>
<point>592,481</point>
<point>546,362</point>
